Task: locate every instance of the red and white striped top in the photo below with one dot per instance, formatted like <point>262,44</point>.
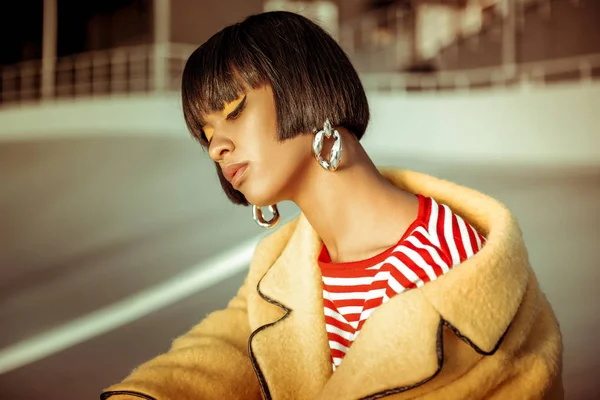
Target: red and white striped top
<point>436,241</point>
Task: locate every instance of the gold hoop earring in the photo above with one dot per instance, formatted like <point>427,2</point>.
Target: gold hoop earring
<point>260,220</point>
<point>335,155</point>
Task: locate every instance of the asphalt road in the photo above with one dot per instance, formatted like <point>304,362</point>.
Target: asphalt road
<point>86,223</point>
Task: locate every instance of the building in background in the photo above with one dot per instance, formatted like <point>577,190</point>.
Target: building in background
<point>325,13</point>
<point>466,34</point>
<point>66,48</point>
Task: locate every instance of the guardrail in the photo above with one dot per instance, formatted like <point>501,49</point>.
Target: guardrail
<point>131,70</point>
<point>583,69</point>
<point>118,71</point>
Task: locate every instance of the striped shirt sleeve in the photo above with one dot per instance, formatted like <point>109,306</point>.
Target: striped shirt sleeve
<point>457,239</point>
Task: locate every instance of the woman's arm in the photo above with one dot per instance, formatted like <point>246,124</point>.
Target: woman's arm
<point>209,362</point>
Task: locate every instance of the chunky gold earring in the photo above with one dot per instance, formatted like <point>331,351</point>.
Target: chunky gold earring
<point>335,155</point>
<point>260,220</point>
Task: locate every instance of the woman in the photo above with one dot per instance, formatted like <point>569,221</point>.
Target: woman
<point>389,284</point>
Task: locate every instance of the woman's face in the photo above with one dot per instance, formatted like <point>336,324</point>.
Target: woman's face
<point>243,141</point>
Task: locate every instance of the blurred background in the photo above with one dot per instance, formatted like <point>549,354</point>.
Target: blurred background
<point>115,236</point>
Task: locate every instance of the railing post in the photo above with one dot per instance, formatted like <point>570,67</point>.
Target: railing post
<point>100,69</point>
<point>49,49</point>
<point>27,72</point>
<point>9,85</point>
<point>585,72</point>
<point>83,83</point>
<point>498,79</point>
<point>399,36</point>
<point>162,31</point>
<point>538,76</point>
<point>118,72</point>
<point>509,42</point>
<point>461,82</point>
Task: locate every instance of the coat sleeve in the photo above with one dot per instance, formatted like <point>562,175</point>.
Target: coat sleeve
<point>211,361</point>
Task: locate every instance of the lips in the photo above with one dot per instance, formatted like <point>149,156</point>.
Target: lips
<point>234,172</point>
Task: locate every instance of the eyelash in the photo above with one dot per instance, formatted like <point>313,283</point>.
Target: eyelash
<point>231,117</point>
<point>237,113</point>
<point>205,139</point>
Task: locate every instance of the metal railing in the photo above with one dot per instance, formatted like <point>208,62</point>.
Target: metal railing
<point>583,69</point>
<point>392,42</point>
<point>118,71</point>
<point>131,70</point>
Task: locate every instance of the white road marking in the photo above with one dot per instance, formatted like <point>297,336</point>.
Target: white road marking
<point>145,302</point>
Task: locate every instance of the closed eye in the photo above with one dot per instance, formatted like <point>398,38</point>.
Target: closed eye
<point>204,138</point>
<point>231,116</point>
<point>237,111</point>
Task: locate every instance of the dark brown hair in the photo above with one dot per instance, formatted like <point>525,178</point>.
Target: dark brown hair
<point>311,77</point>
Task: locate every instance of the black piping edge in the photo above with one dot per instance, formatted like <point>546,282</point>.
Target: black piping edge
<point>106,395</point>
<point>440,356</point>
<point>473,345</point>
<point>261,377</point>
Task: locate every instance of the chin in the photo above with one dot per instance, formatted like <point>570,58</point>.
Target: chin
<point>259,196</point>
<point>259,201</point>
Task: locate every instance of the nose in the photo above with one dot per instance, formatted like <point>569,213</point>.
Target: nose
<point>219,147</point>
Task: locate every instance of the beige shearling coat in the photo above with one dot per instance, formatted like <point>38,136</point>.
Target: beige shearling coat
<point>482,331</point>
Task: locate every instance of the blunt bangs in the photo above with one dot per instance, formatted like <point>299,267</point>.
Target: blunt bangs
<point>215,74</point>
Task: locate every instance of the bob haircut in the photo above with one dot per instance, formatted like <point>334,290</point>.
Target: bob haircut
<point>311,77</point>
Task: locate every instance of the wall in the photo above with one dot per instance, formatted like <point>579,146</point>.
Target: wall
<point>564,29</point>
<point>134,115</point>
<point>128,25</point>
<point>559,124</point>
<point>195,21</point>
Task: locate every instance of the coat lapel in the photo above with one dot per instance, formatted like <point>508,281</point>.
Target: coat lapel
<point>396,349</point>
<point>292,354</point>
<point>399,346</point>
<point>481,296</point>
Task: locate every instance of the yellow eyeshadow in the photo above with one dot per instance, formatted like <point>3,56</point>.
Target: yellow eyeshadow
<point>208,132</point>
<point>229,107</point>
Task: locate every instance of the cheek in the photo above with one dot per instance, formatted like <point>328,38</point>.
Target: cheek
<point>290,158</point>
<point>275,170</point>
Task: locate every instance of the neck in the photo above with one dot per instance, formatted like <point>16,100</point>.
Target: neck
<point>354,210</point>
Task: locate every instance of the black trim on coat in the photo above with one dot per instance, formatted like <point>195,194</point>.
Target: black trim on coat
<point>259,374</point>
<point>106,395</point>
<point>440,356</point>
<point>473,345</point>
<point>388,392</point>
